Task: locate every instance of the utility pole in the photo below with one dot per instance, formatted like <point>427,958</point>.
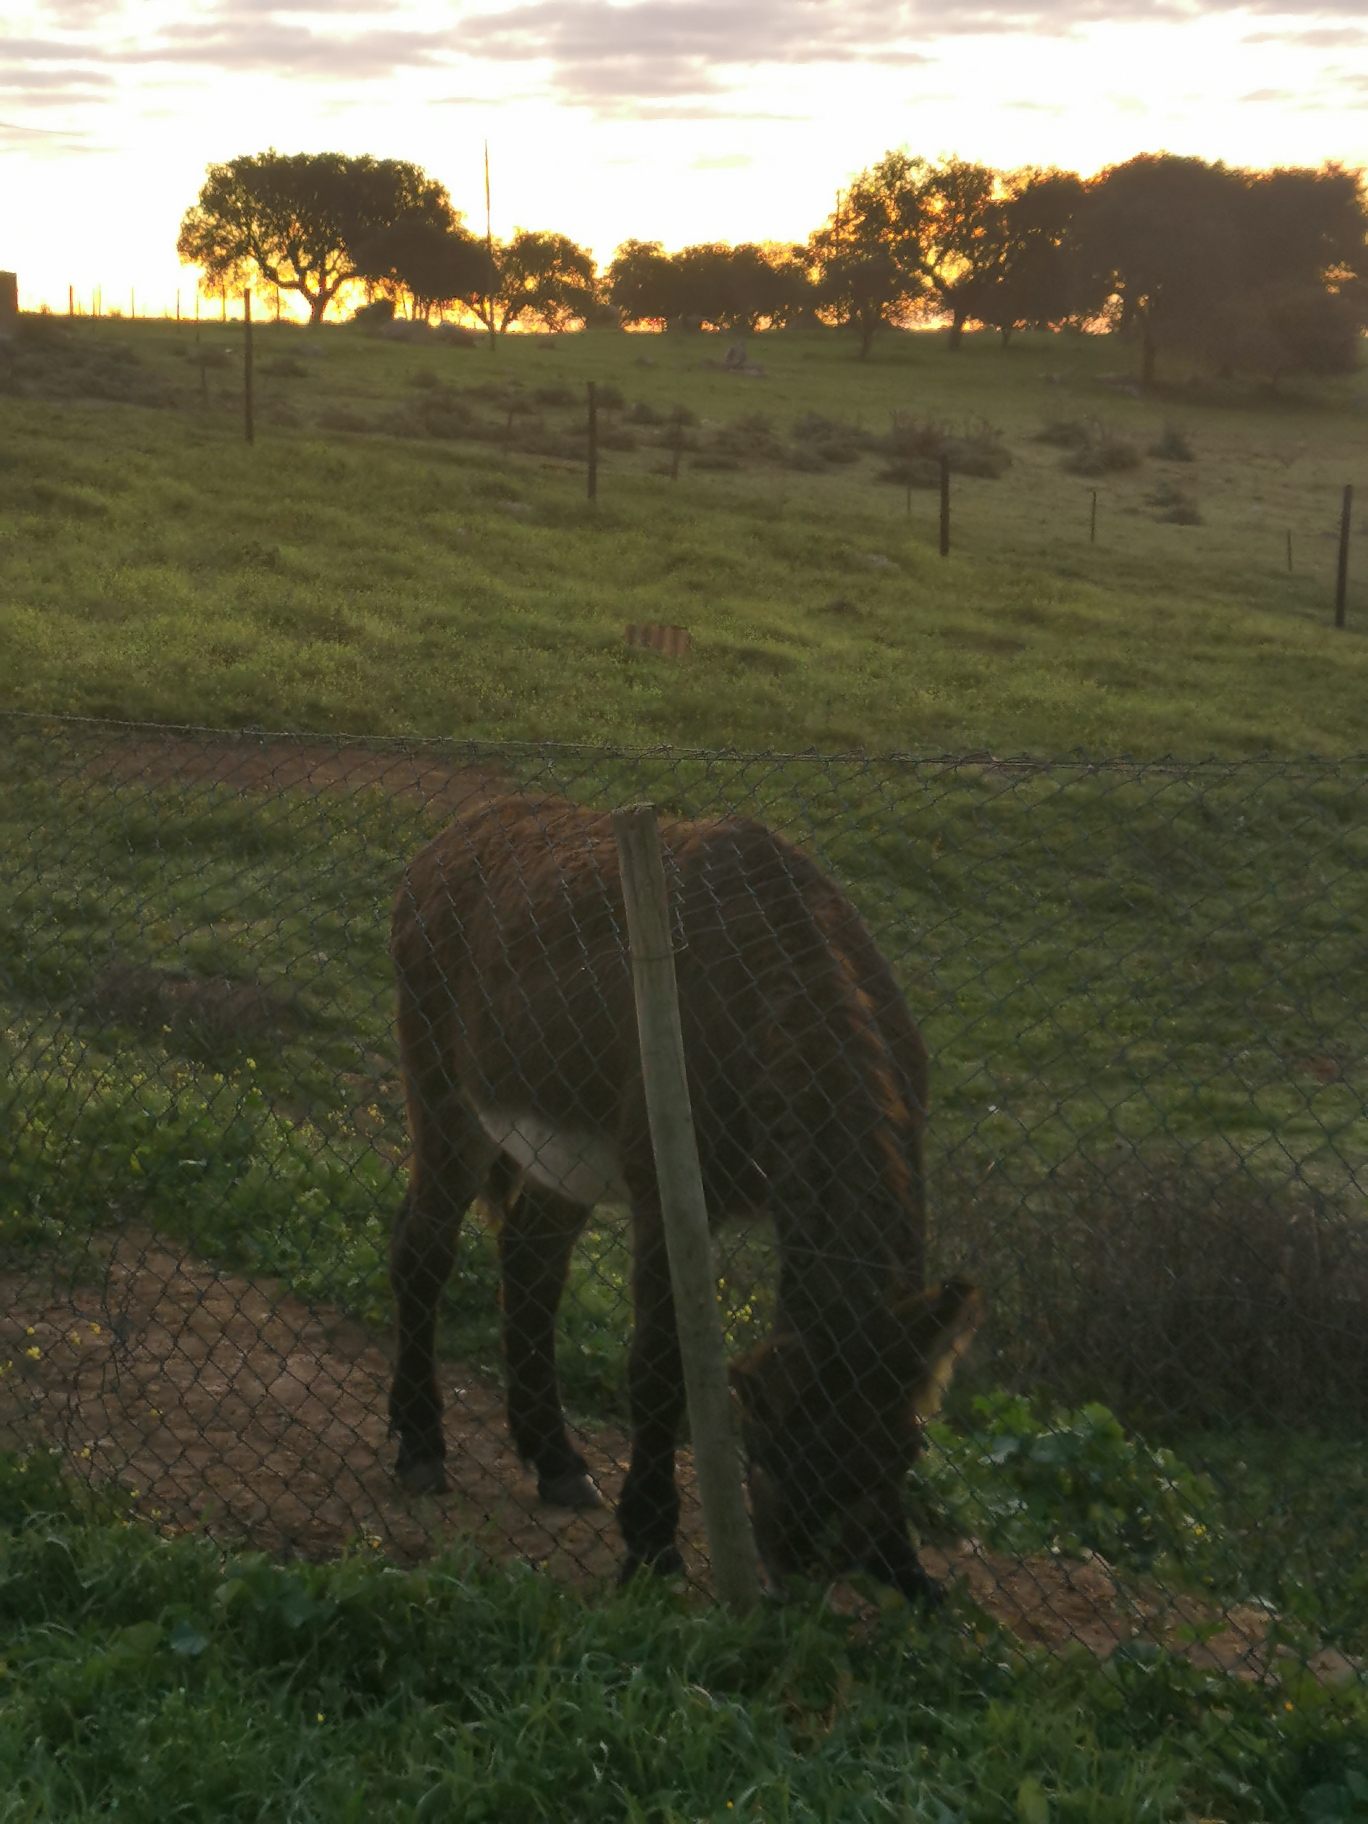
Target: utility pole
<point>489,251</point>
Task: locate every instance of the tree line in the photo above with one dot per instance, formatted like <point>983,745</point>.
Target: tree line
<point>1264,271</point>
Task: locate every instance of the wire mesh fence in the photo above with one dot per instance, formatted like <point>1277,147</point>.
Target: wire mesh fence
<point>1143,991</point>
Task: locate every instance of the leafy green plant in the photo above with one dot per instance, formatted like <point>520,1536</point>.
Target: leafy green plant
<point>1029,1479</point>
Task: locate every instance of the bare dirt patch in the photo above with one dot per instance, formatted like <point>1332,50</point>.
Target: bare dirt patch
<point>274,766</point>
<point>237,1411</point>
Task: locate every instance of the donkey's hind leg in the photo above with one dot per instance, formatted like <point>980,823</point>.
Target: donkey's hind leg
<point>451,1158</point>
<point>536,1238</point>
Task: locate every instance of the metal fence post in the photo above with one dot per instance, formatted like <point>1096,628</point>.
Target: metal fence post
<point>730,1540</point>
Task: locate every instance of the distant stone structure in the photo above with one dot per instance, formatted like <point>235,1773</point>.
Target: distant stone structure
<point>9,304</point>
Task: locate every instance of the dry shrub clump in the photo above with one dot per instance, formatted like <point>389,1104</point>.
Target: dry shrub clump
<point>915,448</point>
<point>819,441</point>
<point>1175,504</point>
<point>1172,445</point>
<point>1173,1290</point>
<point>1093,448</point>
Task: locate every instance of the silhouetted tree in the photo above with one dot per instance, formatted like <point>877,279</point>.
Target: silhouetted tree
<point>297,220</point>
<point>736,287</point>
<point>961,233</point>
<point>546,276</point>
<point>868,255</point>
<point>639,283</point>
<point>1259,270</point>
<point>1304,243</point>
<point>1165,234</point>
<point>1039,279</point>
<point>434,267</point>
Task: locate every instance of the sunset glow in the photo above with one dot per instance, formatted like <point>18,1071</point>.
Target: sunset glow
<point>677,120</point>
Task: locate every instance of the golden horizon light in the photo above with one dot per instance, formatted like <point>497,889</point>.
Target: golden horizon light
<point>671,120</point>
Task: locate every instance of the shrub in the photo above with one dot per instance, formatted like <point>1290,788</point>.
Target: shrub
<point>1106,452</point>
<point>1066,433</point>
<point>1175,1290</point>
<point>914,443</point>
<point>1175,504</point>
<point>1172,445</point>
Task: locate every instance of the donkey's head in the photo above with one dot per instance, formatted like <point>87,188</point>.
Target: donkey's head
<point>830,1432</point>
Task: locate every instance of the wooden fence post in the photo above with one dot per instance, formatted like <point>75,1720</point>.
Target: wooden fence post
<point>1342,572</point>
<point>593,441</point>
<point>944,505</point>
<point>248,414</point>
<point>730,1540</point>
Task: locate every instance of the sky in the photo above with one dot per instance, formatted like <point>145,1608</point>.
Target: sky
<point>671,120</point>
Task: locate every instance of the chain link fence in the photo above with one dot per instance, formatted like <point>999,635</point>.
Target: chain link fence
<point>1144,991</point>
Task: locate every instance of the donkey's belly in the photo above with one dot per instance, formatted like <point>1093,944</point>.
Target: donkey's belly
<point>575,1163</point>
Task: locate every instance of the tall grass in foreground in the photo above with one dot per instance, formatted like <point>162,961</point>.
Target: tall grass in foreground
<point>162,1679</point>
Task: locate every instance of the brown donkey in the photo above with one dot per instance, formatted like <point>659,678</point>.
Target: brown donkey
<point>808,1079</point>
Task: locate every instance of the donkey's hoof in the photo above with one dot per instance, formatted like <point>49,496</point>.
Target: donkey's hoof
<point>422,1475</point>
<point>576,1488</point>
<point>667,1563</point>
<point>920,1589</point>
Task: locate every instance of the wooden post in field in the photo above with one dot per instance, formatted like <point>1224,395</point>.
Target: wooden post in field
<point>248,414</point>
<point>1342,572</point>
<point>730,1541</point>
<point>593,441</point>
<point>71,300</point>
<point>945,504</point>
<point>1092,520</point>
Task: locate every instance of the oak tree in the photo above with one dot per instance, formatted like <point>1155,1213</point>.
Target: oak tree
<point>297,220</point>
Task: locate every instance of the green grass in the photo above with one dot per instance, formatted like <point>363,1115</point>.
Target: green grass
<point>1130,980</point>
<point>152,565</point>
<point>1164,968</point>
<point>160,1679</point>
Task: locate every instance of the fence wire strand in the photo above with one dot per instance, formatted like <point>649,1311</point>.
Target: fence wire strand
<point>1144,993</point>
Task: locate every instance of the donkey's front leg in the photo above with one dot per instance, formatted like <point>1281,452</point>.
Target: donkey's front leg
<point>536,1237</point>
<point>648,1511</point>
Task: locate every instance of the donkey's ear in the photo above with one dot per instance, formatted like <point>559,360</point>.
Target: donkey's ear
<point>937,1328</point>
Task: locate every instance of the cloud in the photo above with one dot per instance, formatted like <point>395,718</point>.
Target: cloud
<point>601,52</point>
<point>18,136</point>
<point>1325,38</point>
<point>644,59</point>
<point>724,161</point>
<point>1278,95</point>
<point>270,47</point>
<point>663,48</point>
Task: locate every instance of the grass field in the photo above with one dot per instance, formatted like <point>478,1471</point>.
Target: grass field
<point>1144,992</point>
<point>161,1679</point>
<point>407,546</point>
